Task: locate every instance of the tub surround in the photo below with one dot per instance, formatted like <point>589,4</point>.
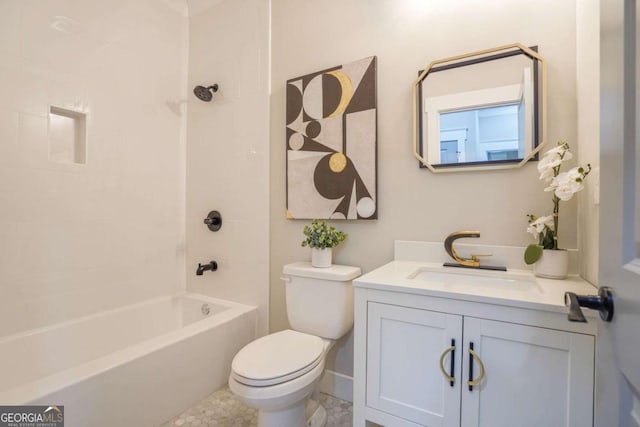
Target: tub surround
<point>78,239</point>
<point>227,164</point>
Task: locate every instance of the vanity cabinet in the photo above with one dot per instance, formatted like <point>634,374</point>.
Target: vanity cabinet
<point>415,356</point>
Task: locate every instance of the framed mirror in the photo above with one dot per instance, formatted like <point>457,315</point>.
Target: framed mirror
<point>481,110</point>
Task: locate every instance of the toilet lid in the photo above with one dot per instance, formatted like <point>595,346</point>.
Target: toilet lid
<point>277,358</point>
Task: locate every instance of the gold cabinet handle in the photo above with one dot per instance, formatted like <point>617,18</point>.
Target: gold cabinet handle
<point>474,356</point>
<point>451,350</point>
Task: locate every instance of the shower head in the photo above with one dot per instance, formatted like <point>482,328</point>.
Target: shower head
<point>205,93</point>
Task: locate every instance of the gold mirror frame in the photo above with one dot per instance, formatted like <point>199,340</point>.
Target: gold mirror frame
<point>542,110</point>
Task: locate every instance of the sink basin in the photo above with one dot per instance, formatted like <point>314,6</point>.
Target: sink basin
<point>467,279</point>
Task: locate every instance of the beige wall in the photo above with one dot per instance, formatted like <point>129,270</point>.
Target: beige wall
<point>228,151</point>
<point>76,239</point>
<point>588,96</point>
<point>413,203</point>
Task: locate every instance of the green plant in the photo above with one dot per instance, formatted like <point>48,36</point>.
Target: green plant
<point>320,235</point>
<point>563,185</point>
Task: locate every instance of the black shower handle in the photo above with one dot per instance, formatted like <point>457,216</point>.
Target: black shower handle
<point>214,220</point>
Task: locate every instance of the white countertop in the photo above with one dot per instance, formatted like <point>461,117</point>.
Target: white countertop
<point>527,291</point>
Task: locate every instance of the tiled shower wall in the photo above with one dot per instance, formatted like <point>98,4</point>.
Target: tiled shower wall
<point>77,238</point>
<point>228,151</point>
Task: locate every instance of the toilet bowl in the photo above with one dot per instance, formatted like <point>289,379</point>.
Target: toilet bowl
<point>278,373</point>
<point>279,394</point>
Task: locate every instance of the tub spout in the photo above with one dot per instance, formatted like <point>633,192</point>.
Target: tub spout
<point>212,266</point>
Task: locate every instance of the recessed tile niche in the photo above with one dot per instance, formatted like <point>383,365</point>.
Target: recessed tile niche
<point>67,136</point>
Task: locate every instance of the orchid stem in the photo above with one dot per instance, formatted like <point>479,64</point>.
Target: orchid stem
<point>556,211</point>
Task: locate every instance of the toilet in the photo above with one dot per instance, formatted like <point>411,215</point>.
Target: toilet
<point>279,374</point>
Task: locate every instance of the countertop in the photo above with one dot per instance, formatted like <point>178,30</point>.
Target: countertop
<point>525,291</point>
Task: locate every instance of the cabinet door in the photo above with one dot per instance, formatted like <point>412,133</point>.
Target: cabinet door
<point>404,350</point>
<point>533,376</point>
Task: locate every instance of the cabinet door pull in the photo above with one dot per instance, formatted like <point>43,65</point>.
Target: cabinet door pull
<point>450,377</point>
<point>474,356</point>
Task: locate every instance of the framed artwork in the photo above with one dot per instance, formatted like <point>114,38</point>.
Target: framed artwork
<point>331,140</point>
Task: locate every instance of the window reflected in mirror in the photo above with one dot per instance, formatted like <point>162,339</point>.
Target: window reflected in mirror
<point>483,134</point>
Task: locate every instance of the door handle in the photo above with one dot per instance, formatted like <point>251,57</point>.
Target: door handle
<point>603,302</point>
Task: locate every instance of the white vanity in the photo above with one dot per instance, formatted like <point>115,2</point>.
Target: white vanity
<point>443,346</point>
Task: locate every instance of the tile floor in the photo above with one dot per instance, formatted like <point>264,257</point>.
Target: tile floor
<point>222,409</point>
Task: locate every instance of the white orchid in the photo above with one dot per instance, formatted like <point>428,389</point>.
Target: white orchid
<point>546,166</point>
<point>552,160</point>
<point>566,184</point>
<point>537,225</point>
<point>563,185</point>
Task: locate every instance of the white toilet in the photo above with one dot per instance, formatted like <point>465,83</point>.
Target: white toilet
<point>278,373</point>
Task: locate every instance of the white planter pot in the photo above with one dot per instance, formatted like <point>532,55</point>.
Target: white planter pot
<point>321,257</point>
<point>553,264</point>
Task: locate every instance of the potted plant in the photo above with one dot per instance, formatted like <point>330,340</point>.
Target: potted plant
<point>551,261</point>
<point>322,238</point>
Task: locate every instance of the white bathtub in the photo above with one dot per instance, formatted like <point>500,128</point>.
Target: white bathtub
<point>134,366</point>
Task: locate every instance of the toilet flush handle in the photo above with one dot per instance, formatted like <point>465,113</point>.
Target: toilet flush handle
<point>286,279</point>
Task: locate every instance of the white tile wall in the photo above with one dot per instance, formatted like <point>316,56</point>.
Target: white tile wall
<point>228,151</point>
<point>79,238</point>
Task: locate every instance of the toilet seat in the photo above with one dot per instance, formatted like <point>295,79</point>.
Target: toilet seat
<point>277,358</point>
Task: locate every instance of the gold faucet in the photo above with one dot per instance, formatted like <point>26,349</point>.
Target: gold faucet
<point>474,261</point>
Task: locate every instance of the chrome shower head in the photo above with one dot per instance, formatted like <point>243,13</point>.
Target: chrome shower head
<point>205,93</point>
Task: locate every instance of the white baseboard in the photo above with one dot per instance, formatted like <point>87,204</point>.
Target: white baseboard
<point>337,385</point>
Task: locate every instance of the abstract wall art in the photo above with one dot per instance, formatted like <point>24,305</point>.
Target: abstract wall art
<point>331,139</point>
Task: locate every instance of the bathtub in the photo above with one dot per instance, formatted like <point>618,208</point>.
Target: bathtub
<point>136,366</point>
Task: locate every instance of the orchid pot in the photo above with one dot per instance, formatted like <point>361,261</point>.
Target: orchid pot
<point>553,264</point>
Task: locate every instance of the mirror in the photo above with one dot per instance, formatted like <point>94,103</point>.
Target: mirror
<point>482,110</point>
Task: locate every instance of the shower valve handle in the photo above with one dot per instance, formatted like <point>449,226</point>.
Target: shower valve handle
<point>213,220</point>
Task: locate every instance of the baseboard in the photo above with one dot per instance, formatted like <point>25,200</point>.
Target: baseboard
<point>337,385</point>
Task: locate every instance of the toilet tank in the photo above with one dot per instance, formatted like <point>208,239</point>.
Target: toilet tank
<point>320,300</point>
